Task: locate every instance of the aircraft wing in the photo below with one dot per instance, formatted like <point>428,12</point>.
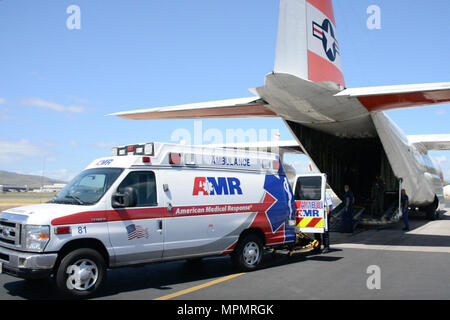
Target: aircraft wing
<point>232,108</point>
<point>401,96</point>
<point>432,141</point>
<point>282,146</point>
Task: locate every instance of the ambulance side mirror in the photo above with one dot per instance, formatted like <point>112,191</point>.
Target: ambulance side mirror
<point>127,199</point>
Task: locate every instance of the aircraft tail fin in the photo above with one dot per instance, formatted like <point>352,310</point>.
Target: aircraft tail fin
<point>307,45</point>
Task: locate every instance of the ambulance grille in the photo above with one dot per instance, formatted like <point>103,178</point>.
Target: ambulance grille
<point>10,233</point>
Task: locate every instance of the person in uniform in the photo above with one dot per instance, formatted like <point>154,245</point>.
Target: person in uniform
<point>324,238</point>
<point>347,217</point>
<point>326,234</point>
<point>377,195</point>
<point>405,209</point>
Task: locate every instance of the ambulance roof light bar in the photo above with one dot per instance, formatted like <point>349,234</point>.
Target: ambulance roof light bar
<point>147,149</point>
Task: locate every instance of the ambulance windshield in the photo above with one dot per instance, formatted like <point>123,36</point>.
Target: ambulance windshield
<point>308,188</point>
<point>88,187</point>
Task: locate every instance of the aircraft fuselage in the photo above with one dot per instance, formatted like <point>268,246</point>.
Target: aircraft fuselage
<point>314,105</point>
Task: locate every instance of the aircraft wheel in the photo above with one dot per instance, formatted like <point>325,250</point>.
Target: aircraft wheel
<point>431,211</point>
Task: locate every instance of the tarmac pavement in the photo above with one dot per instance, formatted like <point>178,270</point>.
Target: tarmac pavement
<point>408,265</point>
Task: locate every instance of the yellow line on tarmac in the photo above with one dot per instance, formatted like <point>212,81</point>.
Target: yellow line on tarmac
<point>199,287</point>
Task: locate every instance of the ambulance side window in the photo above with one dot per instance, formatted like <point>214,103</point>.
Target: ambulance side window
<point>308,188</point>
<point>145,184</point>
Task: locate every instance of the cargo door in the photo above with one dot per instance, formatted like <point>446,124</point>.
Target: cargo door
<point>309,195</point>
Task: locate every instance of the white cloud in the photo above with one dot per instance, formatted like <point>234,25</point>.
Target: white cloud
<point>4,114</point>
<point>58,174</point>
<point>441,159</point>
<point>11,151</point>
<point>44,104</point>
<point>2,101</point>
<point>49,143</point>
<point>74,144</point>
<point>77,99</point>
<point>104,145</point>
<point>35,173</point>
<point>441,112</point>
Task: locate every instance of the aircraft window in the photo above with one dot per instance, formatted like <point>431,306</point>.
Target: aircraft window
<point>308,188</point>
<point>145,185</point>
<point>428,163</point>
<point>419,157</point>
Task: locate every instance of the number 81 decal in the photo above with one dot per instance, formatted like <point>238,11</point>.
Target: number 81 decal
<point>82,230</point>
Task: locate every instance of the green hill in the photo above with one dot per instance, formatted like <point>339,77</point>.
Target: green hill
<point>31,181</point>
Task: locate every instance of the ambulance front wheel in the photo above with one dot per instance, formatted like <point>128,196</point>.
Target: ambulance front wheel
<point>81,273</point>
<point>248,253</point>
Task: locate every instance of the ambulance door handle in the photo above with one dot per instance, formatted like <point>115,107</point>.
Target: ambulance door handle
<point>160,225</point>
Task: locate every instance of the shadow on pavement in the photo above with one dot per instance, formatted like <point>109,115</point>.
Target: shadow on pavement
<point>161,277</point>
<point>168,276</point>
<point>422,233</point>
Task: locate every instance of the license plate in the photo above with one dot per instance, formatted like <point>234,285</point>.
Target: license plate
<point>1,267</point>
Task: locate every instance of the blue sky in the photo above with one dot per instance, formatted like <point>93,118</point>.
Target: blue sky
<point>57,84</point>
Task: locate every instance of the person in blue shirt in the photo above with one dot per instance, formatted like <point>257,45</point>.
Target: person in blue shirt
<point>347,217</point>
<point>326,235</point>
<point>324,238</point>
<point>405,209</point>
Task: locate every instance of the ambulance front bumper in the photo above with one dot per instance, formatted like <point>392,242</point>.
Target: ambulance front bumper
<point>26,265</point>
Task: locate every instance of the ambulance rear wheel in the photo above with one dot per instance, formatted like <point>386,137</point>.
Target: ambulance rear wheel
<point>81,273</point>
<point>248,253</point>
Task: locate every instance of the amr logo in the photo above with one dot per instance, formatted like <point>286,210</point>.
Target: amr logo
<point>325,33</point>
<point>210,186</point>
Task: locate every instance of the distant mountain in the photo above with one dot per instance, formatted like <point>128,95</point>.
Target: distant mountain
<point>33,182</point>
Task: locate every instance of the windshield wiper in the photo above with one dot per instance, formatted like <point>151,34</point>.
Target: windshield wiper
<point>75,198</point>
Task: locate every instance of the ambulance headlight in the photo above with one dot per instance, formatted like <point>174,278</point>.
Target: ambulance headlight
<point>35,238</point>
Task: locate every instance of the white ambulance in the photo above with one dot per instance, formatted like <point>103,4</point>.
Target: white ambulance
<point>151,203</point>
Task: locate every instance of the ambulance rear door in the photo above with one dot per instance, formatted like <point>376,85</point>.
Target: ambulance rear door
<point>309,194</point>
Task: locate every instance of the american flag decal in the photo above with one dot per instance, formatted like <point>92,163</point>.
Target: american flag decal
<point>136,232</point>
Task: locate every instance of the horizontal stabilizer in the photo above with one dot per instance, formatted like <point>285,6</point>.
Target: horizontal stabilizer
<point>401,96</point>
<point>432,141</point>
<point>232,108</point>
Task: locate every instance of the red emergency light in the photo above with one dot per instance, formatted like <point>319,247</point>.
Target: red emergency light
<point>175,158</point>
<point>276,165</point>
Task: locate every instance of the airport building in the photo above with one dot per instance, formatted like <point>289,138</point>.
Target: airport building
<point>447,191</point>
<point>13,188</point>
<point>50,188</point>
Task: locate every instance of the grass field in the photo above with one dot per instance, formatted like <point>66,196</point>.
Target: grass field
<point>17,199</point>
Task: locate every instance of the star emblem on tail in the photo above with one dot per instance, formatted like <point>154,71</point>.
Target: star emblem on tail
<point>325,33</point>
